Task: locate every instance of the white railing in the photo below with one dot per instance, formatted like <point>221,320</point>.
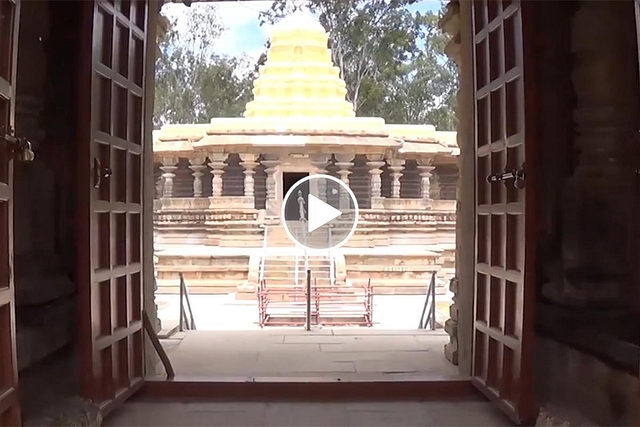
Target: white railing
<point>297,263</point>
<point>263,257</point>
<point>332,267</point>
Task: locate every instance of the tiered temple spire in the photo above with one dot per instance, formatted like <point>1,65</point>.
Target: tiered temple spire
<point>299,78</point>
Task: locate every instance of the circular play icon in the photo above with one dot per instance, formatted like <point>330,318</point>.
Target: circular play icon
<point>320,212</point>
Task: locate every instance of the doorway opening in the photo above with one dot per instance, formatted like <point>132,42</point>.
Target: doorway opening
<point>289,179</point>
<point>234,282</point>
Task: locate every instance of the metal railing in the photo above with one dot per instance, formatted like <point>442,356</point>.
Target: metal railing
<point>263,256</point>
<point>185,323</point>
<point>304,235</point>
<point>428,317</point>
<point>332,266</point>
<point>308,310</point>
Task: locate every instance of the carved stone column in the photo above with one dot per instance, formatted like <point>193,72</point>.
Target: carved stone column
<point>159,187</point>
<point>168,168</point>
<point>248,161</point>
<point>343,161</point>
<point>396,166</point>
<point>597,228</point>
<point>197,166</point>
<point>375,164</point>
<point>216,162</point>
<point>425,180</point>
<point>435,187</point>
<point>270,163</point>
<point>320,161</point>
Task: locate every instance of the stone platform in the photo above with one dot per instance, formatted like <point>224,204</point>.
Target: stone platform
<point>395,270</point>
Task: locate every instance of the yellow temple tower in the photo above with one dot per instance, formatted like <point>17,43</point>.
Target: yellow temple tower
<point>299,90</point>
<point>299,78</point>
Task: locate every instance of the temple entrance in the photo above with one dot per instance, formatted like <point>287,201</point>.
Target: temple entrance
<point>289,179</point>
<point>232,285</point>
<point>110,266</point>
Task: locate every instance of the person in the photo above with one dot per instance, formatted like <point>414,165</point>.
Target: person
<point>302,211</point>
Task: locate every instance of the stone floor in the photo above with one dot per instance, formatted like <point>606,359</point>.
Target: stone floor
<point>230,414</point>
<point>332,354</point>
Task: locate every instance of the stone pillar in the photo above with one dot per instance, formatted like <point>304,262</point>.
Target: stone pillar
<point>396,166</point>
<point>320,161</point>
<point>159,187</point>
<point>197,166</point>
<point>216,162</point>
<point>375,164</point>
<point>270,163</point>
<point>248,161</point>
<point>168,168</point>
<point>597,228</point>
<point>343,161</point>
<point>435,186</point>
<point>425,181</point>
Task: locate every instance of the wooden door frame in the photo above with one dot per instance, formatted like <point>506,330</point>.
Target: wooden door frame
<point>636,4</point>
<point>9,398</point>
<point>149,186</point>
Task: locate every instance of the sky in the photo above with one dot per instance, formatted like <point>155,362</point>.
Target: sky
<point>243,34</point>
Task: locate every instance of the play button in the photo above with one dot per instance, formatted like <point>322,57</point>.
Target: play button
<point>320,212</point>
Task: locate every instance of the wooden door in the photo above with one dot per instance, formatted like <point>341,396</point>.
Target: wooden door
<point>505,232</point>
<point>110,159</point>
<point>637,190</point>
<point>9,404</point>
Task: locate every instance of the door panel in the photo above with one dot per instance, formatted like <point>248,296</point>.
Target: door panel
<point>504,282</point>
<point>9,404</point>
<point>110,147</point>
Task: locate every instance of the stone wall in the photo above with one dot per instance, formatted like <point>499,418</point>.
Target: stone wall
<point>43,189</point>
<point>583,388</point>
<point>457,24</point>
<point>199,242</point>
<point>589,185</point>
<point>588,276</point>
<point>44,206</point>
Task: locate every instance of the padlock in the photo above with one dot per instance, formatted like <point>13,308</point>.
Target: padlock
<point>20,148</point>
<point>25,153</point>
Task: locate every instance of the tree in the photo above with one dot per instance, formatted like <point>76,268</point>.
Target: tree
<point>193,83</point>
<point>425,91</point>
<point>392,61</point>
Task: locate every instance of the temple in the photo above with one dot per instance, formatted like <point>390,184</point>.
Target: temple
<point>220,185</point>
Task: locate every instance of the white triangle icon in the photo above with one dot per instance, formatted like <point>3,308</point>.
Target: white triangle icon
<point>320,213</point>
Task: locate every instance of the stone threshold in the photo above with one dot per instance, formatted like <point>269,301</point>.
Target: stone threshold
<point>310,389</point>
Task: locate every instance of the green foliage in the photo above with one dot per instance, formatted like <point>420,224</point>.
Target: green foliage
<point>392,61</point>
<point>193,83</point>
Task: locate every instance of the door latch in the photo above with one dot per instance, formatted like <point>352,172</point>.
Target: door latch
<point>518,177</point>
<point>21,148</point>
<point>99,173</point>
